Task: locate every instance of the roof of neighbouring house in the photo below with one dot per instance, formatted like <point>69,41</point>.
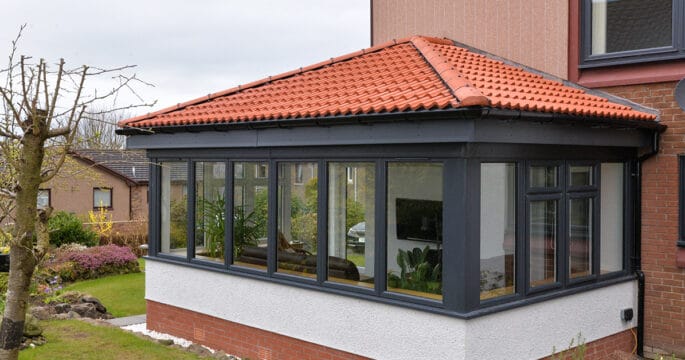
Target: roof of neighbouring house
<point>132,165</point>
<point>409,75</point>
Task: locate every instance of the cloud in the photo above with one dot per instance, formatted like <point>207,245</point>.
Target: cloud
<point>189,49</point>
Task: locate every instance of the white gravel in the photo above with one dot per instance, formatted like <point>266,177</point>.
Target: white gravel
<point>141,328</point>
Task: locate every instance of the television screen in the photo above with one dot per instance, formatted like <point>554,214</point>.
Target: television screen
<point>419,220</point>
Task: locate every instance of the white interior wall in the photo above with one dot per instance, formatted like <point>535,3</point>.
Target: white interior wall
<point>420,182</point>
<point>611,214</point>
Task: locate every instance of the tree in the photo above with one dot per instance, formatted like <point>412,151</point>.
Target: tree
<point>42,107</point>
<point>97,130</point>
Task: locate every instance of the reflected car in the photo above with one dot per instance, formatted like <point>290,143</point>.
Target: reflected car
<point>357,232</point>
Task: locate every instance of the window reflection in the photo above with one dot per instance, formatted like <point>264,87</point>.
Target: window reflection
<point>174,208</point>
<point>414,233</point>
<point>351,223</point>
<point>250,211</point>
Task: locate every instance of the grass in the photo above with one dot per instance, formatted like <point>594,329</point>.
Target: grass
<point>123,295</point>
<point>73,339</point>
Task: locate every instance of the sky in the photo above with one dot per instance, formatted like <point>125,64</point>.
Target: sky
<point>186,49</point>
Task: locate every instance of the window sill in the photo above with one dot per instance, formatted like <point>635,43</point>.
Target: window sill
<point>631,74</point>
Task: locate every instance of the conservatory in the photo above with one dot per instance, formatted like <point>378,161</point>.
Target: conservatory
<point>418,192</point>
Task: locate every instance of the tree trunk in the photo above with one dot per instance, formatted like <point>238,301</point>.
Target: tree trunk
<point>22,258</point>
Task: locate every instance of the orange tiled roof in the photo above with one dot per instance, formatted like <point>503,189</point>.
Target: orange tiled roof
<point>417,73</point>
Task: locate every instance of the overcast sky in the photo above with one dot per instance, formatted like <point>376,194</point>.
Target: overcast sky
<point>187,49</point>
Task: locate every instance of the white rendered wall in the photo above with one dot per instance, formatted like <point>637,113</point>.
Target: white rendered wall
<point>390,332</point>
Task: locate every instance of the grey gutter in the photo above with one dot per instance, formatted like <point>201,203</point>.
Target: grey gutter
<point>396,117</point>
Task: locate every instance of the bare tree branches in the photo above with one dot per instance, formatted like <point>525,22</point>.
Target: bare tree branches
<point>43,107</point>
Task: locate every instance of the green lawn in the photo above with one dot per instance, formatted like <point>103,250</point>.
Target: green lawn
<point>123,295</point>
<point>73,339</point>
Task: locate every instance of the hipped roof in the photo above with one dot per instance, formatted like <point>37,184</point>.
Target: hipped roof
<point>413,74</point>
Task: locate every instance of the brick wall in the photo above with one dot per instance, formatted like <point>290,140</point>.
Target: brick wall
<point>236,339</point>
<point>616,346</point>
<point>665,282</point>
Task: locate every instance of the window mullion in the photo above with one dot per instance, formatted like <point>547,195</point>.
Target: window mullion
<point>190,203</point>
<point>381,227</point>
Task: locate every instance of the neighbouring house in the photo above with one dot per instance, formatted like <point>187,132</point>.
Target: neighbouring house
<point>419,199</point>
<point>114,180</point>
<point>631,48</point>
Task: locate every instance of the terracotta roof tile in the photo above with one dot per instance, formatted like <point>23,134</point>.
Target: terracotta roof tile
<point>417,73</point>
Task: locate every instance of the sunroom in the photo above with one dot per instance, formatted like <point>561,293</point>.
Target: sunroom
<point>419,192</point>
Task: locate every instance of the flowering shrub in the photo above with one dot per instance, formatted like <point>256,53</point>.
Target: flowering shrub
<point>72,263</point>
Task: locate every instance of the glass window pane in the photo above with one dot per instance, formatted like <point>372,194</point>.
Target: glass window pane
<point>580,237</point>
<point>297,218</point>
<point>580,175</point>
<point>102,198</point>
<point>611,223</point>
<point>543,176</point>
<point>173,208</point>
<point>250,211</point>
<point>414,233</point>
<point>210,210</point>
<point>543,242</point>
<point>623,25</point>
<point>497,229</point>
<point>351,225</point>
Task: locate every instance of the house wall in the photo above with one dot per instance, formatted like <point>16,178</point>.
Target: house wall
<point>665,281</point>
<point>237,305</point>
<point>72,191</point>
<point>531,32</point>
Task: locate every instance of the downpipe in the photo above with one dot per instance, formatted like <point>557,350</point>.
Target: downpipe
<point>637,244</point>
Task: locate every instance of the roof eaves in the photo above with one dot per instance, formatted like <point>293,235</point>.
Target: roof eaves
<point>462,112</point>
<point>462,89</point>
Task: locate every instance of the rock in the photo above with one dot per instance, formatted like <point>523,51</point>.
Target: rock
<point>61,316</point>
<point>199,350</point>
<point>62,308</point>
<point>165,342</point>
<point>40,312</point>
<point>86,310</point>
<point>98,305</point>
<point>32,327</point>
<point>73,315</point>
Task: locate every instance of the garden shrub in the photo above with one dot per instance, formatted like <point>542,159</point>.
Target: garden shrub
<point>72,264</point>
<point>66,228</point>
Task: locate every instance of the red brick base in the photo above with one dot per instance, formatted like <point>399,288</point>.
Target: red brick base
<point>253,343</point>
<point>607,348</point>
<point>234,338</point>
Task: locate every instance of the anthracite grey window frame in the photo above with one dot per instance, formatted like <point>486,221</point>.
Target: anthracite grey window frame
<point>673,52</point>
<point>461,212</point>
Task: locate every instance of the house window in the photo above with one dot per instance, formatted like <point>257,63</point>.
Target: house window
<point>297,220</point>
<point>173,208</point>
<point>43,199</point>
<point>351,223</point>
<point>210,210</point>
<point>625,31</point>
<point>250,211</point>
<point>414,229</point>
<point>497,229</point>
<point>262,171</point>
<point>102,198</point>
<point>540,229</point>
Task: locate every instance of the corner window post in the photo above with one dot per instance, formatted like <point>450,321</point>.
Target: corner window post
<point>681,200</point>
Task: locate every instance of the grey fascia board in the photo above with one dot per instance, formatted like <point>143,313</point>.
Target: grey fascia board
<point>495,127</point>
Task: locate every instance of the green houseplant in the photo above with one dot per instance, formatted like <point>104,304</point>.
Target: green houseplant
<point>416,272</point>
